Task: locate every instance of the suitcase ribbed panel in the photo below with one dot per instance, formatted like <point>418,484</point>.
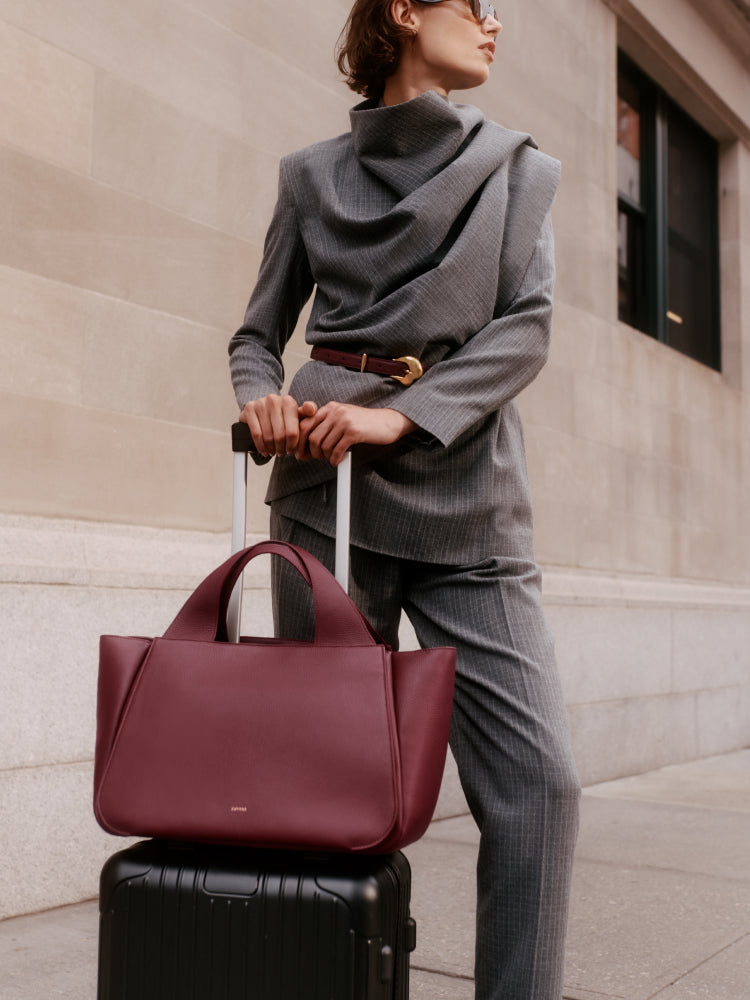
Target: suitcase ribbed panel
<point>189,923</point>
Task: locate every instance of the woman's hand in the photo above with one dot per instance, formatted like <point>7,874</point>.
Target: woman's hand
<point>332,429</point>
<point>274,423</point>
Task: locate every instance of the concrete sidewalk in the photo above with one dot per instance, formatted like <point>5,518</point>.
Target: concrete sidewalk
<point>661,900</point>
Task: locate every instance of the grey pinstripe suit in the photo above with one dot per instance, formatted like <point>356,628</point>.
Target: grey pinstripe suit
<point>426,232</point>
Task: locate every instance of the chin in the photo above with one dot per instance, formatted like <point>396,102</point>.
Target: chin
<point>467,81</point>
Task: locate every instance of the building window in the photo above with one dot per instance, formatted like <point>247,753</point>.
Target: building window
<point>668,241</point>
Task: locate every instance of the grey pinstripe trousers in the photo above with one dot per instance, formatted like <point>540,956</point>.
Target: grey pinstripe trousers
<point>509,735</point>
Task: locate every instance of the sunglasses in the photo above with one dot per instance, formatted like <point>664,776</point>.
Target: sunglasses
<point>481,9</point>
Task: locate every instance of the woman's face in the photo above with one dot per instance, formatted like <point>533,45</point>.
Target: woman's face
<point>452,49</point>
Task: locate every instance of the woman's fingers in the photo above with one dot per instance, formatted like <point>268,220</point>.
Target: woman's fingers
<point>286,428</point>
<point>333,429</point>
<point>274,423</point>
<point>251,415</point>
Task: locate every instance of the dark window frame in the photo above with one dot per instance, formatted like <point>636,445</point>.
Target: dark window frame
<point>650,270</point>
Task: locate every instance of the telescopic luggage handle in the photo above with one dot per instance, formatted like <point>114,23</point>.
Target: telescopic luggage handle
<point>242,443</point>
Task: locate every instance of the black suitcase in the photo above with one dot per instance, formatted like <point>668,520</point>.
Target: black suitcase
<point>208,922</point>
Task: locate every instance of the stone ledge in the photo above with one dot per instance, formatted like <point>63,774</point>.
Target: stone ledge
<point>563,586</point>
<point>56,551</point>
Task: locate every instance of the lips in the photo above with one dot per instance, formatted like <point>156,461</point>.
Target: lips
<point>489,48</point>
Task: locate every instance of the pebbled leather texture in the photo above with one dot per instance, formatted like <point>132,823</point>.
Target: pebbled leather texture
<point>335,745</point>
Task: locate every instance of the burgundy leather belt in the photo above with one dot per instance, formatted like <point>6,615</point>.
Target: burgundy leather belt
<point>404,370</point>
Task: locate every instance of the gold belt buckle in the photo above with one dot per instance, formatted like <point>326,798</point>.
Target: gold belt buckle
<point>415,370</point>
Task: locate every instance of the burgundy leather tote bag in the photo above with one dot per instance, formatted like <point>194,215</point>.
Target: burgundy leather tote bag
<point>337,744</point>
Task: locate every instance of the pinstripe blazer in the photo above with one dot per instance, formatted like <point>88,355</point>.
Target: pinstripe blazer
<point>425,231</point>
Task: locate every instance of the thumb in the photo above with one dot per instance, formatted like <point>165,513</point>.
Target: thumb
<point>308,409</point>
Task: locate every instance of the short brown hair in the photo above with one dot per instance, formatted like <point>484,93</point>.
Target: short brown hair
<point>369,46</point>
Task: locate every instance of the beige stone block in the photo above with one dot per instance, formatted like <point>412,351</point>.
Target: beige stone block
<point>705,446</point>
<point>519,99</point>
<point>284,108</point>
<point>743,175</point>
<point>563,62</point>
<point>153,366</point>
<point>518,103</point>
<point>598,538</point>
<point>711,648</point>
<point>713,504</point>
<point>612,416</point>
<point>671,437</point>
<point>707,392</point>
<point>51,654</point>
<point>568,469</point>
<point>594,416</point>
<point>617,357</point>
<point>555,530</point>
<point>93,464</point>
<point>616,738</point>
<point>51,659</point>
<point>586,276</point>
<point>607,653</point>
<point>655,489</point>
<point>724,719</point>
<point>42,336</point>
<point>65,344</point>
<point>148,148</point>
<point>641,486</point>
<point>549,400</point>
<point>178,54</point>
<point>578,339</point>
<point>680,560</point>
<point>552,125</point>
<point>727,419</point>
<point>595,155</point>
<point>49,829</point>
<point>662,378</point>
<point>304,35</point>
<point>68,228</point>
<point>732,325</point>
<point>708,556</point>
<point>620,482</point>
<point>46,100</point>
<point>730,200</point>
<point>584,209</point>
<point>645,546</point>
<point>634,425</point>
<point>590,22</point>
<point>672,491</point>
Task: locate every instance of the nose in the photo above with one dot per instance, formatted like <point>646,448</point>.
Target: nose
<point>491,26</point>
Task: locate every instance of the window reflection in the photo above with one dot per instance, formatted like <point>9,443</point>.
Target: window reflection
<point>628,150</point>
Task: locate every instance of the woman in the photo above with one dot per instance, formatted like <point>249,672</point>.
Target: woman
<point>426,232</point>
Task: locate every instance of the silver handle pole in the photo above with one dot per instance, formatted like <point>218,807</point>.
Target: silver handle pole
<point>343,515</point>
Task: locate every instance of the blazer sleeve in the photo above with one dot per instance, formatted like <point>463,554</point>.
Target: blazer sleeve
<point>284,284</point>
<point>493,366</point>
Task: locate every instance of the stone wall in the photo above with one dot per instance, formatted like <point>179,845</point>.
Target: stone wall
<point>139,147</point>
